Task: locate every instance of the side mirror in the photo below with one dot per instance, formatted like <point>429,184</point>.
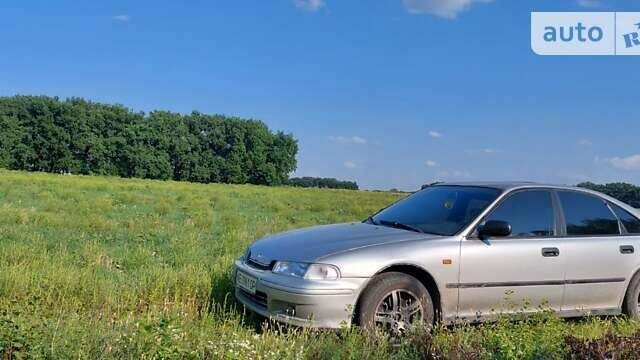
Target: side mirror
<point>494,228</point>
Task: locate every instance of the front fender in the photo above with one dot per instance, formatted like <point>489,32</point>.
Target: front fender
<point>440,258</point>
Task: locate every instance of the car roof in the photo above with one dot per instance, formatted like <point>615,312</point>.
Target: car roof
<point>509,185</point>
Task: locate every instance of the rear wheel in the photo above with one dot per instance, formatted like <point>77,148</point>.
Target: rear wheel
<point>393,302</point>
<point>631,306</point>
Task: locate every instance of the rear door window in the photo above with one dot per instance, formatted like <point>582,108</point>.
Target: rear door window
<point>587,215</point>
<point>630,222</point>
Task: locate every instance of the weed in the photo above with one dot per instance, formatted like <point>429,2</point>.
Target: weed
<point>105,268</point>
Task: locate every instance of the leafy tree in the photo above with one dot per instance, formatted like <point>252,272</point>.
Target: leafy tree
<point>625,192</point>
<point>39,133</point>
<point>317,182</point>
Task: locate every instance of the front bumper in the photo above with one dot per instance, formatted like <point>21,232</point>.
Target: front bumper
<point>301,302</point>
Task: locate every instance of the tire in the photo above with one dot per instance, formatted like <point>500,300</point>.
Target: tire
<point>631,305</point>
<point>375,307</point>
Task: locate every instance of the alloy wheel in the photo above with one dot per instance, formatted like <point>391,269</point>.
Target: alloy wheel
<point>397,311</point>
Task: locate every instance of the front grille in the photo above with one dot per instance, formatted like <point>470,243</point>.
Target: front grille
<point>260,266</point>
<point>259,297</point>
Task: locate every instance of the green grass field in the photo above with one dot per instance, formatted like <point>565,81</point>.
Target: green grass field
<point>94,267</point>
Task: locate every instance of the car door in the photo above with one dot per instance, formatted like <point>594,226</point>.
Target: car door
<point>598,267</point>
<point>519,272</point>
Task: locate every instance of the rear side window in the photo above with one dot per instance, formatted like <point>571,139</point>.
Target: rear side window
<point>587,215</point>
<point>530,213</point>
<point>630,222</point>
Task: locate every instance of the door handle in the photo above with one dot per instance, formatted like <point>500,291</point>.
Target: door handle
<point>627,249</point>
<point>550,252</point>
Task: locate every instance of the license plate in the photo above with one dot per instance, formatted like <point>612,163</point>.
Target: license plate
<point>246,282</point>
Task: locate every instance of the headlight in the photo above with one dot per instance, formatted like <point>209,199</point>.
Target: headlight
<point>307,271</point>
<point>290,268</point>
<point>322,272</point>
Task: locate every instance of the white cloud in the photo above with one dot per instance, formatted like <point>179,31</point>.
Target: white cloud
<point>431,163</point>
<point>122,18</point>
<point>453,175</point>
<point>589,3</point>
<point>631,162</point>
<point>585,142</point>
<point>309,5</point>
<point>462,174</point>
<point>348,140</point>
<point>350,164</point>
<point>485,151</point>
<point>435,134</point>
<point>573,177</point>
<point>448,9</point>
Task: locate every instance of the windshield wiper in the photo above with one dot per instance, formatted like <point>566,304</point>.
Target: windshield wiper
<point>398,225</point>
<point>370,219</point>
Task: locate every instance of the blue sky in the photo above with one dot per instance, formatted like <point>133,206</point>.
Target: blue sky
<point>390,93</point>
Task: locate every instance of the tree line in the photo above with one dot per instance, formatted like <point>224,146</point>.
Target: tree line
<point>318,182</point>
<point>624,192</point>
<point>39,133</point>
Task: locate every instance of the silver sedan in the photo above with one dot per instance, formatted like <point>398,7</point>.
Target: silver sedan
<point>450,253</point>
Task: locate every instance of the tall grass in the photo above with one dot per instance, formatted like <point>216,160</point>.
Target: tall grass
<point>97,267</point>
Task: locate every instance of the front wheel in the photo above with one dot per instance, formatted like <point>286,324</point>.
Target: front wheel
<point>393,302</point>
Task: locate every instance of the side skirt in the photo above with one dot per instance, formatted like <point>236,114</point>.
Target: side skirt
<point>480,318</point>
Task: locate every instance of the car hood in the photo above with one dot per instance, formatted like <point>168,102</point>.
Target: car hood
<point>311,244</point>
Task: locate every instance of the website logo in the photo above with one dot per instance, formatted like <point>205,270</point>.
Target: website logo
<point>628,40</point>
<point>585,33</point>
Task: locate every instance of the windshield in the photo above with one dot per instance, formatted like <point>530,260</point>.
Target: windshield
<point>441,210</point>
